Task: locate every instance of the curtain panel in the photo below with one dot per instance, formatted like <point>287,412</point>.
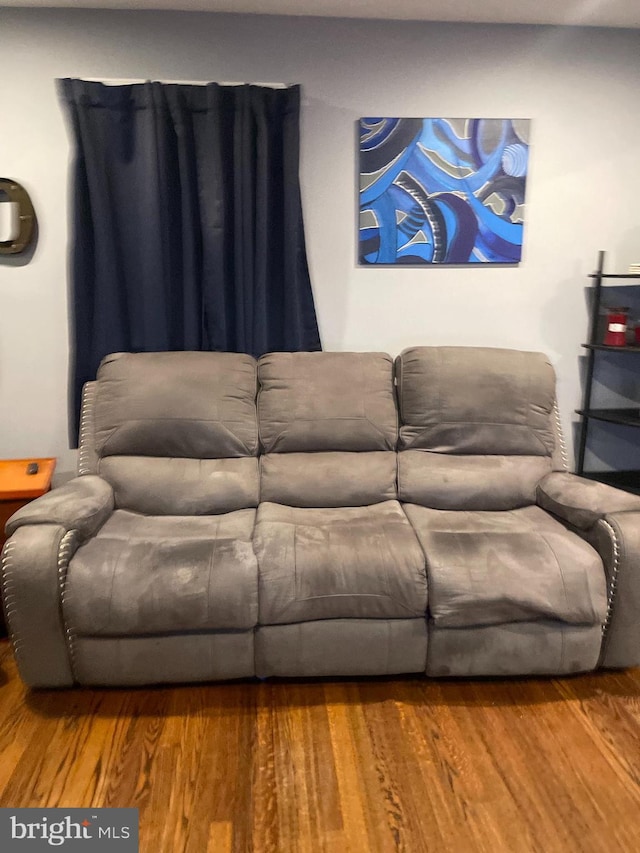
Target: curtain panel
<point>187,229</point>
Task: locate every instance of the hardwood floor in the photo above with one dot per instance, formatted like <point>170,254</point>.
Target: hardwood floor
<point>364,765</point>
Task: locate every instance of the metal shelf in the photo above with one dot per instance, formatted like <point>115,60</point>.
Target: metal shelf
<point>635,277</point>
<point>626,417</point>
<point>628,348</point>
<point>627,480</point>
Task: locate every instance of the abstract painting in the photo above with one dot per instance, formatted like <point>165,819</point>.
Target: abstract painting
<point>442,190</point>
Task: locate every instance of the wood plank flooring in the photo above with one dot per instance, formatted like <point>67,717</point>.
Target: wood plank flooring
<point>361,765</point>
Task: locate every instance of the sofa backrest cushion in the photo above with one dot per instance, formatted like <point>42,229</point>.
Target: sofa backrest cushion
<point>198,405</point>
<point>326,401</point>
<point>174,433</point>
<point>457,482</point>
<point>328,479</point>
<point>328,428</point>
<point>474,400</point>
<point>157,486</point>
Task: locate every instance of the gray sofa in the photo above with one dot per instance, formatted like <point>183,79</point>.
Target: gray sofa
<point>322,514</point>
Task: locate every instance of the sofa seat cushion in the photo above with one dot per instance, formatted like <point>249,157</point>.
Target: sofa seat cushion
<point>360,562</point>
<point>487,568</point>
<point>164,574</point>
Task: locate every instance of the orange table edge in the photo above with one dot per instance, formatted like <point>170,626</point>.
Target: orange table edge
<point>16,484</point>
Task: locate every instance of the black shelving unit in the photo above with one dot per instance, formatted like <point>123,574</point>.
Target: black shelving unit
<point>629,480</point>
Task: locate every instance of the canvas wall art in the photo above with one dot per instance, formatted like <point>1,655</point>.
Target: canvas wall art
<point>442,190</point>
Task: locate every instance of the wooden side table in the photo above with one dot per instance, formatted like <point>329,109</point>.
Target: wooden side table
<point>17,488</point>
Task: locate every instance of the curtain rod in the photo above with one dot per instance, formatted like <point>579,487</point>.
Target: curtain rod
<point>108,81</point>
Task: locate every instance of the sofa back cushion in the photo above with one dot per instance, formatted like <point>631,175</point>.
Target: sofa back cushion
<point>458,482</point>
<point>174,433</point>
<point>311,401</point>
<point>156,486</point>
<point>476,400</point>
<point>335,413</point>
<point>477,429</point>
<point>328,479</point>
<point>198,405</point>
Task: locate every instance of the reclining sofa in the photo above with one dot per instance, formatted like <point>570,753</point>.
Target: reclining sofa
<point>322,514</point>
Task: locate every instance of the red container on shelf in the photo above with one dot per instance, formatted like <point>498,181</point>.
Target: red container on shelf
<point>616,335</point>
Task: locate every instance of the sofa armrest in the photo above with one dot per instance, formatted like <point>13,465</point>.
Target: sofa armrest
<point>581,502</point>
<point>43,536</point>
<point>34,567</point>
<point>616,537</point>
<point>82,504</point>
<point>609,519</point>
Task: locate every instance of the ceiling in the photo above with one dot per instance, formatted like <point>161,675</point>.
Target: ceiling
<point>597,13</point>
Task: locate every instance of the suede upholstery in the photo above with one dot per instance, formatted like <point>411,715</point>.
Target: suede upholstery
<point>33,563</point>
<point>511,589</point>
<point>175,486</point>
<point>82,504</point>
<point>189,404</point>
<point>332,542</point>
<point>317,514</point>
<point>168,659</point>
<point>338,563</point>
<point>474,400</point>
<point>342,647</point>
<point>314,401</point>
<point>487,568</point>
<point>328,479</point>
<point>452,481</point>
<point>580,502</point>
<point>514,648</point>
<point>617,539</point>
<point>146,575</point>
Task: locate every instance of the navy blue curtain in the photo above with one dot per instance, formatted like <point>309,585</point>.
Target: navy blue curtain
<point>187,222</point>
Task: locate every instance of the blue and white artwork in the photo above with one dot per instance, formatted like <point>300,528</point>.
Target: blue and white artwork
<point>442,190</point>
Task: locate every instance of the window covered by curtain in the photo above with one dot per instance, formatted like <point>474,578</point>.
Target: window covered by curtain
<point>187,221</point>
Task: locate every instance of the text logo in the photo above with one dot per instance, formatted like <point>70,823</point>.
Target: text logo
<point>80,830</point>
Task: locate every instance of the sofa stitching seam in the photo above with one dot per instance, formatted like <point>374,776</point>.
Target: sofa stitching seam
<point>613,582</point>
<point>66,548</point>
<point>8,595</point>
<point>88,402</point>
<point>563,447</point>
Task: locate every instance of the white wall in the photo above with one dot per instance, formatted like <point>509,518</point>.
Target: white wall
<point>579,86</point>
